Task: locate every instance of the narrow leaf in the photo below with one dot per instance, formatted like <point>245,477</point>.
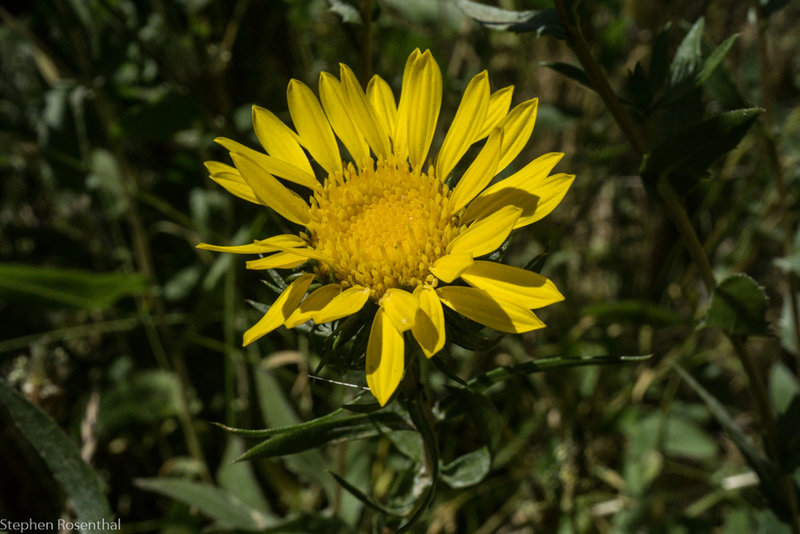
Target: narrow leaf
<point>218,504</point>
<point>79,483</point>
<point>738,307</point>
<point>570,71</point>
<point>359,426</point>
<point>70,287</point>
<point>689,56</point>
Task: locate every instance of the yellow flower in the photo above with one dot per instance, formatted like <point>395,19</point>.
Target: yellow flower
<point>386,226</point>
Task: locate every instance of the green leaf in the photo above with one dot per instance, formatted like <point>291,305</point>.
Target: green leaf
<point>298,438</point>
<point>543,22</point>
<point>689,56</point>
<point>467,470</point>
<point>69,287</point>
<point>216,503</point>
<point>714,59</point>
<point>689,152</point>
<point>77,480</point>
<point>145,398</point>
<point>238,477</point>
<point>499,374</point>
<point>738,307</point>
<point>278,412</point>
<point>570,71</point>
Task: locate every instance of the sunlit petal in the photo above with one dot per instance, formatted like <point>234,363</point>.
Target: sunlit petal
<point>512,284</point>
<point>449,267</point>
<point>486,235</point>
<point>483,308</point>
<point>385,358</point>
<point>313,303</point>
<point>467,123</point>
<point>270,191</point>
<point>312,126</point>
<point>283,307</point>
<point>401,308</point>
<point>428,328</point>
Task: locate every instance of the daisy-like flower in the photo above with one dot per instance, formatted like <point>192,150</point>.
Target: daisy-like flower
<point>383,224</point>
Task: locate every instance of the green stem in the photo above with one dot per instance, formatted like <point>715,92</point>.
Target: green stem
<point>680,218</point>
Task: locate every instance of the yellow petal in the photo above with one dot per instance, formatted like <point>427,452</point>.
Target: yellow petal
<point>279,140</point>
<point>517,128</point>
<point>380,96</point>
<point>231,179</point>
<point>385,358</point>
<point>479,173</point>
<point>499,102</point>
<point>487,234</point>
<point>400,307</point>
<point>271,164</point>
<point>350,301</point>
<point>481,307</point>
<point>449,267</point>
<point>340,116</point>
<point>259,247</point>
<point>512,284</point>
<point>270,191</point>
<point>364,115</point>
<point>283,307</point>
<point>312,126</point>
<point>522,189</point>
<point>428,328</point>
<point>400,135</point>
<point>418,112</point>
<point>313,303</point>
<point>467,123</point>
<point>279,260</point>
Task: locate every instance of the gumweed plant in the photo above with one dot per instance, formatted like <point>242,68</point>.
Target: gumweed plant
<point>384,224</point>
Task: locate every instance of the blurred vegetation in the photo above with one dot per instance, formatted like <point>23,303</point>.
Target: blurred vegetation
<point>128,337</point>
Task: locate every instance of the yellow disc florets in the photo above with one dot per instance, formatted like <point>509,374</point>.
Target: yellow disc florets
<point>381,227</point>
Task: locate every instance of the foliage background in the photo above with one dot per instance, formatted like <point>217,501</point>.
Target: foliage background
<point>128,337</point>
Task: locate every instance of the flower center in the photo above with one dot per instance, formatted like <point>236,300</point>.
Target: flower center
<point>382,227</point>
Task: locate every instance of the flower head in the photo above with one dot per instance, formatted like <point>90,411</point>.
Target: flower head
<point>383,224</point>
